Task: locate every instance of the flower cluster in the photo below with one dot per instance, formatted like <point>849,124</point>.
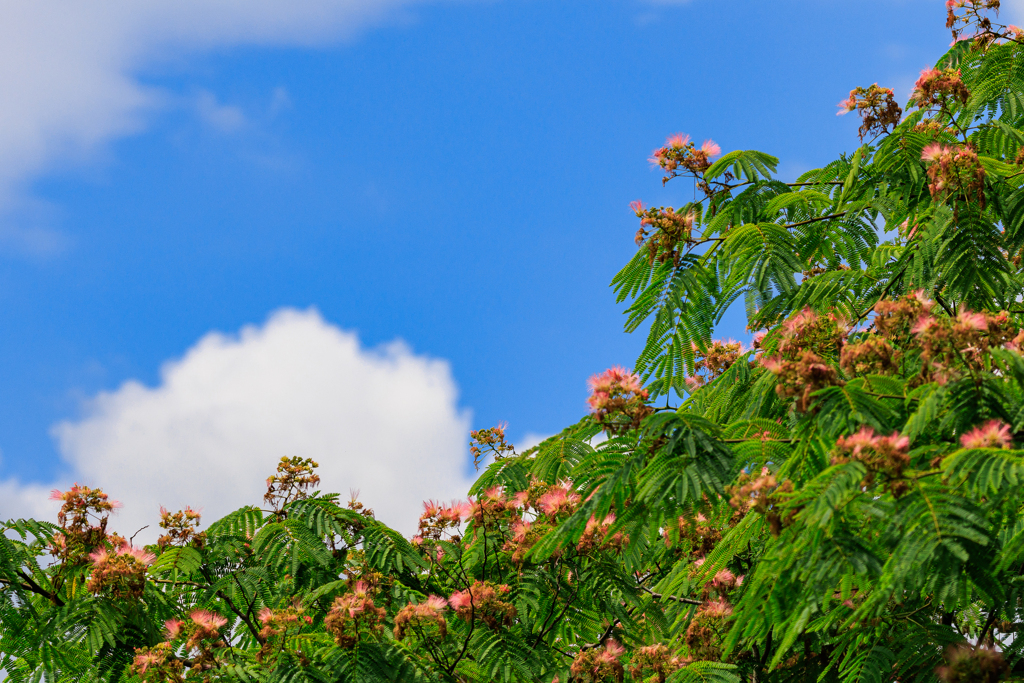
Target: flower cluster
<point>490,440</point>
<point>120,574</point>
<point>424,618</point>
<point>966,338</point>
<point>595,665</point>
<point>83,520</point>
<point>596,536</point>
<point>295,477</point>
<point>352,614</point>
<point>181,528</point>
<point>438,518</point>
<point>937,86</point>
<point>887,455</point>
<point>157,665</point>
<point>761,494</point>
<point>669,229</point>
<point>277,622</point>
<point>970,664</point>
<point>954,172</point>
<point>654,663</point>
<point>800,363</point>
<point>701,534</point>
<point>873,355</point>
<point>962,15</point>
<point>483,601</point>
<point>992,434</point>
<point>202,638</point>
<point>524,536</point>
<point>491,506</point>
<point>618,400</point>
<point>718,358</point>
<point>877,107</point>
<point>894,319</point>
<point>560,499</point>
<point>680,153</point>
<point>705,633</point>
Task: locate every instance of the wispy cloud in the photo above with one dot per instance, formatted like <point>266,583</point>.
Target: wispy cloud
<point>70,71</point>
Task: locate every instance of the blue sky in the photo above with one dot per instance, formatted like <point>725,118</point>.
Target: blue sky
<point>456,175</point>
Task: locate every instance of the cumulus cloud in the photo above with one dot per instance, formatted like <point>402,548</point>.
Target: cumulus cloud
<point>70,69</point>
<point>384,421</point>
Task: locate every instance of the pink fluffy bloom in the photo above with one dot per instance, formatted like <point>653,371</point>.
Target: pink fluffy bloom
<point>173,627</point>
<point>495,493</point>
<point>615,377</point>
<point>637,206</point>
<point>521,499</point>
<point>458,510</point>
<point>99,556</point>
<point>436,602</point>
<point>460,600</point>
<point>923,324</point>
<point>266,615</point>
<point>558,499</point>
<point>611,653</point>
<point>208,620</point>
<point>934,152</point>
<point>717,608</point>
<point>847,105</point>
<point>144,660</point>
<point>56,494</point>
<point>992,434</point>
<point>145,557</point>
<point>692,384</point>
<point>976,321</point>
<point>711,148</point>
<point>431,508</point>
<point>724,579</point>
<point>677,140</point>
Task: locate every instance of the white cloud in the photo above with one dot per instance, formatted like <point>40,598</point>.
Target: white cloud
<point>225,118</point>
<point>384,421</point>
<point>70,69</point>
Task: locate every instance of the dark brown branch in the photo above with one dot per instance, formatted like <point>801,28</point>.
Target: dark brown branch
<point>674,598</point>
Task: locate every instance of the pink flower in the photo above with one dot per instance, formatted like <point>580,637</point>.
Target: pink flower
<point>637,206</point>
<point>710,148</point>
<point>976,321</point>
<point>677,140</point>
<point>208,620</point>
<point>144,660</point>
<point>993,434</point>
<point>436,602</point>
<point>924,323</point>
<point>460,600</point>
<point>558,499</point>
<point>99,556</point>
<point>56,494</point>
<point>173,627</point>
<point>847,105</point>
<point>266,615</point>
<point>717,608</point>
<point>143,556</point>
<point>933,152</point>
<point>611,653</point>
<point>521,499</point>
<point>723,579</point>
<point>495,493</point>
